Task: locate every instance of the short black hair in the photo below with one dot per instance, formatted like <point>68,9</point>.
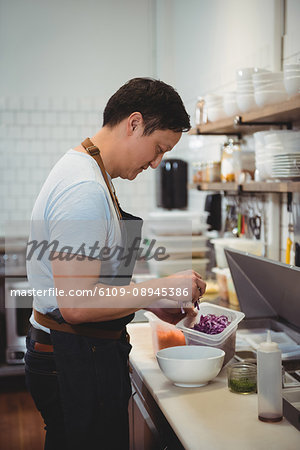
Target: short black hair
<point>158,102</point>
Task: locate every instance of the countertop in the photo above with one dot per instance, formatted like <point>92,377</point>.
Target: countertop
<point>209,417</point>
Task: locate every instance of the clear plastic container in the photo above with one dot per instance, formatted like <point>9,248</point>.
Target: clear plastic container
<point>232,295</point>
<point>221,277</point>
<point>252,246</point>
<point>224,340</point>
<point>164,334</point>
<point>171,266</point>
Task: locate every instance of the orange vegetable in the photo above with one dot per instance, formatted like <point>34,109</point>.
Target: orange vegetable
<point>170,338</point>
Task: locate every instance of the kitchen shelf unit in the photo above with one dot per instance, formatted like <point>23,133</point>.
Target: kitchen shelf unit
<point>251,187</point>
<point>280,114</point>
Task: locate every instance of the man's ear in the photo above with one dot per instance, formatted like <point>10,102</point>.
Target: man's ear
<point>134,121</point>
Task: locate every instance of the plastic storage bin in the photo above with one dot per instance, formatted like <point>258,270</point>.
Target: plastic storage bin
<point>226,287</point>
<point>171,266</point>
<point>164,334</point>
<point>222,282</point>
<point>224,340</point>
<point>252,246</point>
<point>181,247</point>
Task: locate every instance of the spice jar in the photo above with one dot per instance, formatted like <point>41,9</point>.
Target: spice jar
<point>198,172</point>
<point>231,161</point>
<point>213,171</point>
<point>242,378</point>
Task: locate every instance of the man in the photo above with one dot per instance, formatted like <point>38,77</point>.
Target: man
<point>77,351</point>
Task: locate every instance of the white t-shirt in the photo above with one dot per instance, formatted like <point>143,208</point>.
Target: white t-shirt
<point>74,210</point>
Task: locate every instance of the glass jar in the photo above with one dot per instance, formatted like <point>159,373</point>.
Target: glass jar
<point>198,172</point>
<point>242,378</point>
<point>200,112</point>
<point>231,166</point>
<point>213,171</point>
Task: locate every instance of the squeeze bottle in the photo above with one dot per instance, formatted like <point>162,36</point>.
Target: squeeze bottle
<point>269,381</point>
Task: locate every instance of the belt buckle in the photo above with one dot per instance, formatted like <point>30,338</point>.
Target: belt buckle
<point>93,150</point>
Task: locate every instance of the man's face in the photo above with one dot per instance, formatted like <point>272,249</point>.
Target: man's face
<point>147,151</point>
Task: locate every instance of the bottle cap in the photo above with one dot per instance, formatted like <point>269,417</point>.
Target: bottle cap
<point>268,345</point>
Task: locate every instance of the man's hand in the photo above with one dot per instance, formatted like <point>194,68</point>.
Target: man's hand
<point>188,280</point>
<point>165,310</point>
<point>173,315</point>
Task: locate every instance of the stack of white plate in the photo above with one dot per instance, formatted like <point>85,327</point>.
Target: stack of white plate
<point>292,78</point>
<point>286,166</point>
<point>245,89</point>
<point>268,88</point>
<point>271,144</point>
<point>214,105</point>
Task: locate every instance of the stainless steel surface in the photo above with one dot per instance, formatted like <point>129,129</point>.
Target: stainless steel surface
<point>266,288</point>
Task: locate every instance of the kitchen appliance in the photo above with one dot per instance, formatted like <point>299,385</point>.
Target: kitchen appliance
<point>18,307</point>
<point>213,205</point>
<point>268,293</point>
<point>15,310</point>
<point>267,289</point>
<point>171,184</point>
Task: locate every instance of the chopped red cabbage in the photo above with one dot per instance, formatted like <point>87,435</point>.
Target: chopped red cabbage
<point>212,324</point>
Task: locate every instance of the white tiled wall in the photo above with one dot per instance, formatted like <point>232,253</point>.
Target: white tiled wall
<point>34,134</point>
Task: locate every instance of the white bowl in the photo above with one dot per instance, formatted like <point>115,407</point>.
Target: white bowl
<point>267,81</point>
<point>267,76</point>
<point>213,98</point>
<point>263,98</point>
<point>231,108</point>
<point>272,86</point>
<point>214,105</point>
<point>190,365</point>
<point>282,138</point>
<point>292,85</point>
<point>246,102</point>
<point>244,82</point>
<point>229,95</point>
<point>292,73</point>
<point>244,88</point>
<point>288,66</point>
<point>214,114</point>
<point>247,72</point>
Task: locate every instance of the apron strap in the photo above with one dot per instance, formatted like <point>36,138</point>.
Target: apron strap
<point>95,153</point>
<point>82,330</point>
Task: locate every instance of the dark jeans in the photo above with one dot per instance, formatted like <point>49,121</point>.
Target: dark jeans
<point>82,391</point>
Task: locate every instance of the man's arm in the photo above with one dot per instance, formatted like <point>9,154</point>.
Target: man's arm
<point>85,300</point>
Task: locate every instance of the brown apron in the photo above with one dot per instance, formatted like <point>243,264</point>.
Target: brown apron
<point>54,320</point>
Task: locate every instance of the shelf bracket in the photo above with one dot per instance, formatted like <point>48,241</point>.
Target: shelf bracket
<point>238,121</point>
